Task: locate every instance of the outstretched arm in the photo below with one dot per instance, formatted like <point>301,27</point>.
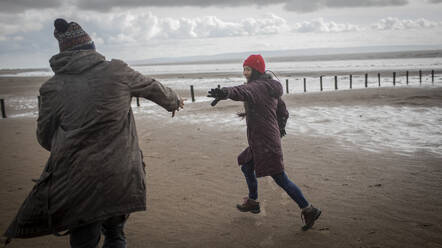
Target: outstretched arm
<point>237,93</point>
<point>242,93</point>
<point>149,88</point>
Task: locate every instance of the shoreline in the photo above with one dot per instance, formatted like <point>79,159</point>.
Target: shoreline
<point>426,72</point>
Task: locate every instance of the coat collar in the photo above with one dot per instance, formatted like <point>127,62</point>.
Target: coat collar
<point>75,62</point>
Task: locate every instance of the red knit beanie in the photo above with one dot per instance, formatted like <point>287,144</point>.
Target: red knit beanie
<point>256,62</point>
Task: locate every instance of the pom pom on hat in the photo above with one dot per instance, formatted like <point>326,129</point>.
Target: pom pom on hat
<point>256,61</point>
<point>61,25</point>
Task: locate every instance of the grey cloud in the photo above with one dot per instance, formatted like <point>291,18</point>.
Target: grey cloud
<point>312,5</point>
<point>15,6</point>
<point>364,3</point>
<point>291,5</point>
<point>435,1</point>
<point>321,26</point>
<point>105,5</point>
<point>393,23</point>
<point>13,26</point>
<point>150,27</point>
<point>7,6</point>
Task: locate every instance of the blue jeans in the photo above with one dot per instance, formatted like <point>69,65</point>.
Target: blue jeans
<point>88,236</point>
<point>281,179</point>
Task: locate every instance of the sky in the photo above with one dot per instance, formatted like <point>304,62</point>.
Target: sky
<point>143,29</point>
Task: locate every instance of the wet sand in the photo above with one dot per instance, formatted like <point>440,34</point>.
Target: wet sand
<point>193,182</point>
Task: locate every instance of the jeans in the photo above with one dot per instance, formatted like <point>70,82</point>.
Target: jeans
<point>88,236</point>
<point>281,179</point>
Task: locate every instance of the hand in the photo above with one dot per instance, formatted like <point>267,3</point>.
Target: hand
<point>180,105</point>
<point>241,115</point>
<point>282,132</point>
<point>218,93</point>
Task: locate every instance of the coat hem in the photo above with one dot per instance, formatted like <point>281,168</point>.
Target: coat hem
<point>37,233</point>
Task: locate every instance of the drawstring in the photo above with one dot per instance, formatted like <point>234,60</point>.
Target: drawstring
<point>273,74</point>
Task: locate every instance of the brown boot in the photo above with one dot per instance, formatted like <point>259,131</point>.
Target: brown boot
<point>309,215</point>
<point>249,205</point>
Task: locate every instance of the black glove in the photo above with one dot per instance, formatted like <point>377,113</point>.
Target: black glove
<point>282,132</point>
<point>218,94</point>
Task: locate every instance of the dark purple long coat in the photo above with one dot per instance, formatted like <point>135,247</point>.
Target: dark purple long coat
<point>264,107</point>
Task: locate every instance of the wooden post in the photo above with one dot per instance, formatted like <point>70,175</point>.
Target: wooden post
<point>336,82</point>
<point>407,77</point>
<point>366,80</point>
<point>192,94</point>
<point>138,101</point>
<point>2,103</point>
<point>305,85</point>
<point>287,86</point>
<point>394,78</point>
<point>432,76</point>
<point>379,79</point>
<point>38,102</point>
<point>420,76</point>
<point>320,82</point>
<point>351,81</point>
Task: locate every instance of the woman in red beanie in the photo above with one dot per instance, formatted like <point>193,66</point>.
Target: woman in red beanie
<point>266,116</point>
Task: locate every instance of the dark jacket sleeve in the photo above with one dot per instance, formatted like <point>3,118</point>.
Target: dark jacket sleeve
<point>149,88</point>
<point>244,93</point>
<point>48,115</point>
<point>282,114</point>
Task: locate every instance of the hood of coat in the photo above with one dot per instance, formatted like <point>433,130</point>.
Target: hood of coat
<point>274,87</point>
<point>75,62</point>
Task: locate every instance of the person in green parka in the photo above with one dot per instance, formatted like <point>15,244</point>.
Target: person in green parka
<point>94,177</point>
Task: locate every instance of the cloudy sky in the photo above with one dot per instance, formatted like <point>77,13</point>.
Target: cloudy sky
<point>143,29</point>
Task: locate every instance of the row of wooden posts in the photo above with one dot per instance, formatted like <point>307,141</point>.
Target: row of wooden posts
<point>366,81</point>
<point>192,93</point>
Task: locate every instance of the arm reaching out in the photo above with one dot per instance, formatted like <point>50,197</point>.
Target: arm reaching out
<point>237,93</point>
<point>151,89</point>
<point>242,93</point>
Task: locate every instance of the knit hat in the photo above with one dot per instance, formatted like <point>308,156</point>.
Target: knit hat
<point>256,62</point>
<point>71,36</point>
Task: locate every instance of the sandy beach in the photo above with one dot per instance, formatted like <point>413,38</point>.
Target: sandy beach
<point>369,199</point>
